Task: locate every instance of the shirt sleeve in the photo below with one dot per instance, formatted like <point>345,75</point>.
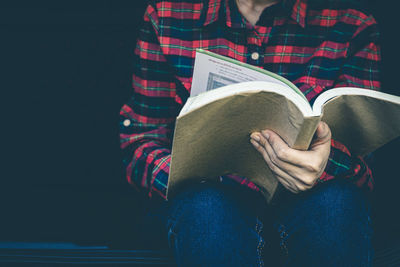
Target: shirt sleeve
<point>147,120</point>
<point>361,69</point>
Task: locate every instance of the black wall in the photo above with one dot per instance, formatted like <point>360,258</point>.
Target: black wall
<point>65,73</point>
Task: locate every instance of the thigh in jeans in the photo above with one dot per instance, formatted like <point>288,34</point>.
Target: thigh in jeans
<point>216,225</point>
<point>326,226</point>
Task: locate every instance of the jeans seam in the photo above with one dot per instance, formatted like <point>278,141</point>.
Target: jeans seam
<point>283,234</point>
<point>172,222</point>
<point>171,235</point>
<point>261,242</point>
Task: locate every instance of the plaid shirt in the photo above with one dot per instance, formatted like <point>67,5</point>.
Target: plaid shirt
<point>317,45</point>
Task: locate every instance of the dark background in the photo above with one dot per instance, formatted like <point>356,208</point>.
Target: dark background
<point>65,73</point>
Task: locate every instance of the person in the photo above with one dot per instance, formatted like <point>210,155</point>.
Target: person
<point>322,218</point>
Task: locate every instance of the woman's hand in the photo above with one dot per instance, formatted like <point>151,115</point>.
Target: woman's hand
<point>296,170</point>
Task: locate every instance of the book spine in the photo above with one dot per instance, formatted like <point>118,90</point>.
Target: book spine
<point>306,133</point>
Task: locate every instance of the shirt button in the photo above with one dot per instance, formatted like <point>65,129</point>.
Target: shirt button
<point>255,56</point>
<point>126,123</point>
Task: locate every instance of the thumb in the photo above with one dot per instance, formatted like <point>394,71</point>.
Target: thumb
<point>322,134</point>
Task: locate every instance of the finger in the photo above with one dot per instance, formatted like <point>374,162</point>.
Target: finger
<point>275,158</point>
<point>261,144</point>
<point>286,179</point>
<point>295,172</point>
<point>323,131</point>
<point>282,151</point>
<point>322,136</point>
<point>293,184</point>
<point>255,141</point>
<point>261,149</point>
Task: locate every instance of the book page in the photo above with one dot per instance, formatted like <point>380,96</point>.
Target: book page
<point>212,71</point>
<point>244,88</point>
<point>363,120</point>
<point>326,96</point>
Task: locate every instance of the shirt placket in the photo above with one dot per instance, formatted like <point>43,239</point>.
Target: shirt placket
<point>256,42</point>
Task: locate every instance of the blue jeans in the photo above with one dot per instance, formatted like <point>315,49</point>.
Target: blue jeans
<point>215,224</point>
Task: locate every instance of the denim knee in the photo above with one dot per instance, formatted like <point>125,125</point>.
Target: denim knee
<point>330,226</point>
<point>343,212</point>
<point>209,227</point>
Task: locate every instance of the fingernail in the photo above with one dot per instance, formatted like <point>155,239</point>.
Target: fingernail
<point>255,137</point>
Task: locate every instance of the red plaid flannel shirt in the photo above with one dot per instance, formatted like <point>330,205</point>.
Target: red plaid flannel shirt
<point>317,45</point>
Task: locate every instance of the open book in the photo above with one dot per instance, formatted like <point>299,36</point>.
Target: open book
<point>230,100</point>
